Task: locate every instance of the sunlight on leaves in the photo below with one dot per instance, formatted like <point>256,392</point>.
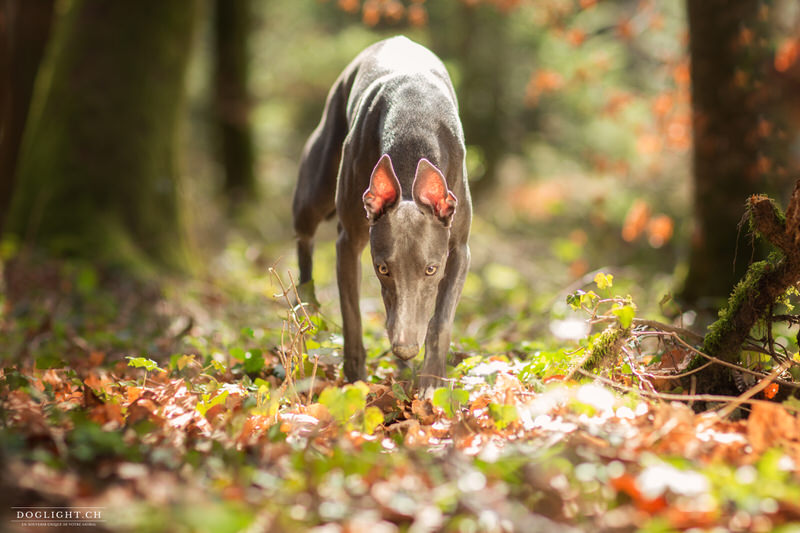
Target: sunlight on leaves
<point>580,299</point>
<point>603,280</point>
<point>502,414</point>
<point>207,401</point>
<point>625,314</point>
<point>450,400</point>
<point>143,362</point>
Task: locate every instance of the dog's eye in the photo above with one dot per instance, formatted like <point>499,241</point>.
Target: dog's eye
<point>431,270</point>
<point>383,270</point>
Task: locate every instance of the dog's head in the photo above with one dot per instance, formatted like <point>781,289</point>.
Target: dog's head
<point>409,242</point>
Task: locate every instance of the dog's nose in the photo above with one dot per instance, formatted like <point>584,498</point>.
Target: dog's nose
<point>405,351</point>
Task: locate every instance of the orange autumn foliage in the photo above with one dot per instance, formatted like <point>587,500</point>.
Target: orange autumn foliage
<point>787,54</point>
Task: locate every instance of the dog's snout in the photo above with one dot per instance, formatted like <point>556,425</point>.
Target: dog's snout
<point>405,351</point>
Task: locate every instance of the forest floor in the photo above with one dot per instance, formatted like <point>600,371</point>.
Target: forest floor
<point>215,406</point>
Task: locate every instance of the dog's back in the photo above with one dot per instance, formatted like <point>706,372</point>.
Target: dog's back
<point>400,101</point>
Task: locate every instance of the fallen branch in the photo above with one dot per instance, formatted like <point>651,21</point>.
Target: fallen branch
<point>680,397</point>
<point>732,366</point>
<point>660,326</point>
<point>764,283</point>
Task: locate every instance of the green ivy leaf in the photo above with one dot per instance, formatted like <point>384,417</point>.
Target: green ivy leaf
<point>343,403</point>
<point>625,314</point>
<point>265,404</point>
<point>219,367</point>
<point>44,362</point>
<point>261,383</point>
<point>399,392</point>
<point>460,396</point>
<point>183,361</point>
<point>311,345</point>
<point>238,354</point>
<point>502,414</point>
<point>373,417</point>
<point>207,402</point>
<point>450,400</point>
<point>253,361</point>
<point>14,379</point>
<point>580,298</point>
<point>143,362</point>
<point>603,280</point>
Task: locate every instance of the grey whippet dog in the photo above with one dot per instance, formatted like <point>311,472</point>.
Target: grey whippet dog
<point>390,142</point>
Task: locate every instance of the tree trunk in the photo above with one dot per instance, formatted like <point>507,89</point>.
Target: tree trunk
<point>24,31</point>
<point>232,98</point>
<point>723,37</point>
<point>485,70</point>
<point>475,38</point>
<point>756,294</point>
<point>97,176</point>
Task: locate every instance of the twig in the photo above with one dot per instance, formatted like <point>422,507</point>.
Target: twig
<point>669,328</point>
<point>287,365</point>
<point>678,397</point>
<point>285,294</point>
<point>300,335</point>
<point>758,387</point>
<point>586,355</point>
<point>313,376</point>
<point>297,345</point>
<point>679,375</point>
<point>642,377</point>
<point>293,285</point>
<point>727,364</point>
<point>654,324</point>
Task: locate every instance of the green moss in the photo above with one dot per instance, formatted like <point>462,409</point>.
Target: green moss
<point>779,215</point>
<point>98,178</point>
<point>605,346</point>
<point>741,294</point>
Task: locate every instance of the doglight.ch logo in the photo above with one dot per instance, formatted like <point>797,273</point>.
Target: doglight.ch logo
<point>57,516</point>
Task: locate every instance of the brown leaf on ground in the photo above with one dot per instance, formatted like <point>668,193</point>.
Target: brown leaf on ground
<point>254,426</point>
<point>769,425</point>
<point>99,382</point>
<point>107,413</point>
<point>384,399</point>
<point>144,409</point>
<point>423,410</point>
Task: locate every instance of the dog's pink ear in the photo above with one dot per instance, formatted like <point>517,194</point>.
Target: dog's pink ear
<point>384,189</point>
<point>430,189</point>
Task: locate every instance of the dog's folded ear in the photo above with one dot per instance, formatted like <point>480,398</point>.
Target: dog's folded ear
<point>383,191</point>
<point>430,190</point>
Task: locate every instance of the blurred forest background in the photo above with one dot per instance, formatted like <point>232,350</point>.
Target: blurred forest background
<point>164,137</point>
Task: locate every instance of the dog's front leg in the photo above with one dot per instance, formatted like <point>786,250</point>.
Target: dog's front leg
<point>348,273</point>
<point>437,340</point>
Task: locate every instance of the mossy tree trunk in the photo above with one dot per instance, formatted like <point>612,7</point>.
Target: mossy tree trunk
<point>723,41</point>
<point>753,298</point>
<point>97,177</point>
<point>232,23</point>
<point>24,31</point>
